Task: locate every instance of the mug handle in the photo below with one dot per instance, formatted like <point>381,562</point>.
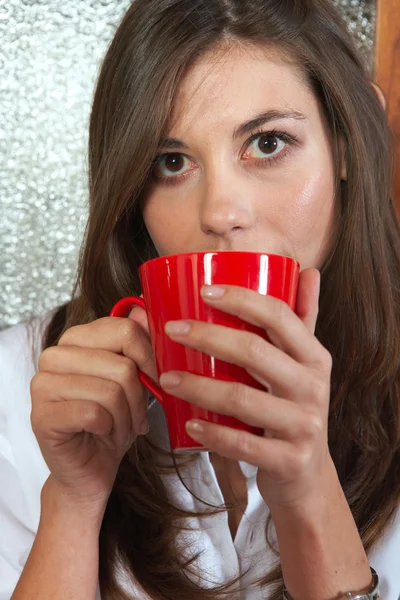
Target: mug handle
<point>120,310</point>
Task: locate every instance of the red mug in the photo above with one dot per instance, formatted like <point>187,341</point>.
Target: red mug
<point>171,291</point>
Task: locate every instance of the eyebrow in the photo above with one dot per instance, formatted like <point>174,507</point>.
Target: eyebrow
<point>257,121</point>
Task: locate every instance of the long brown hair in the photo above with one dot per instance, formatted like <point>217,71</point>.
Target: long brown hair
<point>359,319</point>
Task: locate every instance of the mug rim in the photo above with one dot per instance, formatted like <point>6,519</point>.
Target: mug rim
<point>204,252</point>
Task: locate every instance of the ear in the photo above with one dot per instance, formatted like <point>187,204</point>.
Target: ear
<point>379,94</point>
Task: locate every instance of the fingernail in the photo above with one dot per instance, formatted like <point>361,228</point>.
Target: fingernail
<point>170,379</point>
<point>194,427</point>
<point>144,427</point>
<point>212,292</point>
<point>177,327</point>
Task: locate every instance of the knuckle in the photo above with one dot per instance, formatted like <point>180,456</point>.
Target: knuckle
<point>36,414</point>
<point>298,461</point>
<point>313,426</point>
<point>46,359</point>
<point>245,443</point>
<point>39,391</point>
<point>256,348</point>
<point>318,390</point>
<point>115,396</point>
<point>282,311</point>
<point>36,385</point>
<point>70,335</point>
<point>324,361</point>
<point>92,412</point>
<point>239,398</point>
<point>129,329</point>
<point>327,360</point>
<point>128,372</point>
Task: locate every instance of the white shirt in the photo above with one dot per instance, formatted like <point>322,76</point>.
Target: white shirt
<point>23,473</point>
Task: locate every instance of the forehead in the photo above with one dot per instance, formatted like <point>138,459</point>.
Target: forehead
<point>228,84</point>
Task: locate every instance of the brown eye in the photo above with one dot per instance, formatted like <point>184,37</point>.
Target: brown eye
<point>168,166</point>
<point>174,162</point>
<point>268,144</point>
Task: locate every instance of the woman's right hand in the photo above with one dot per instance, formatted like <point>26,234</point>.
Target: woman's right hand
<point>88,405</point>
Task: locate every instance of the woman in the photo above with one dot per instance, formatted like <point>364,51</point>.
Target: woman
<point>219,125</point>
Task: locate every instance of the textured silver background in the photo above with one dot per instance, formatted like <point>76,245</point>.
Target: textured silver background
<point>50,52</point>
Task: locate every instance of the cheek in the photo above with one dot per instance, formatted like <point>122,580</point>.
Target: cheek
<point>310,207</point>
<point>168,226</point>
<point>307,216</point>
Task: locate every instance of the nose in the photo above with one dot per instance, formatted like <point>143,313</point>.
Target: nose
<point>226,208</point>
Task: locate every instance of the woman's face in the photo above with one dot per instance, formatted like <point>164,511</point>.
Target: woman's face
<point>247,165</point>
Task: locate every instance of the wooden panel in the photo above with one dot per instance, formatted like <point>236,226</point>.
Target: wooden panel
<point>387,71</point>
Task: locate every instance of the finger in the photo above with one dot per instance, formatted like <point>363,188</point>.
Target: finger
<point>60,420</point>
<point>307,298</point>
<point>271,455</point>
<point>51,387</point>
<point>104,365</point>
<point>117,335</point>
<point>268,364</point>
<point>283,327</point>
<point>254,407</point>
<point>139,315</point>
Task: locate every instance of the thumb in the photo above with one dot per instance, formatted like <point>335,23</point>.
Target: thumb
<point>307,297</point>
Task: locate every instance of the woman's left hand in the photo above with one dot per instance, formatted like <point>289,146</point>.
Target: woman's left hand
<point>292,456</point>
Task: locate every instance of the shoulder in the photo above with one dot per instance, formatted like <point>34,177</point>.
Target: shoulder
<point>22,468</point>
<point>22,464</point>
<point>19,350</point>
<point>20,345</point>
